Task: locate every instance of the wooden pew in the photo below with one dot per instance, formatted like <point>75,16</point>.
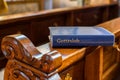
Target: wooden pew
<point>29,62</point>
<point>34,24</point>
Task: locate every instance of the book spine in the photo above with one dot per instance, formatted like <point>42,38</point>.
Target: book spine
<point>78,41</point>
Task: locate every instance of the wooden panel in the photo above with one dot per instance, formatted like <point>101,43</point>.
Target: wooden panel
<point>15,28</point>
<point>110,62</point>
<point>40,27</point>
<point>88,17</point>
<point>94,65</point>
<point>113,12</point>
<point>110,57</point>
<point>75,71</point>
<point>111,73</point>
<point>102,64</point>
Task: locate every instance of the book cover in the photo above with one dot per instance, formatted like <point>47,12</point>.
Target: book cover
<point>80,36</point>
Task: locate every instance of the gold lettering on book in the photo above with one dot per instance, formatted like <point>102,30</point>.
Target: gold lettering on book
<point>68,41</point>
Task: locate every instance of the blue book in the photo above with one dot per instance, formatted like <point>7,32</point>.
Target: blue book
<point>80,36</point>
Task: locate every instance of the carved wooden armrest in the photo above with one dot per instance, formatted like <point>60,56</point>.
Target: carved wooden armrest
<point>25,62</point>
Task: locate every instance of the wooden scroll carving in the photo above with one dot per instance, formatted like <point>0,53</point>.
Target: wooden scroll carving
<point>25,62</point>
